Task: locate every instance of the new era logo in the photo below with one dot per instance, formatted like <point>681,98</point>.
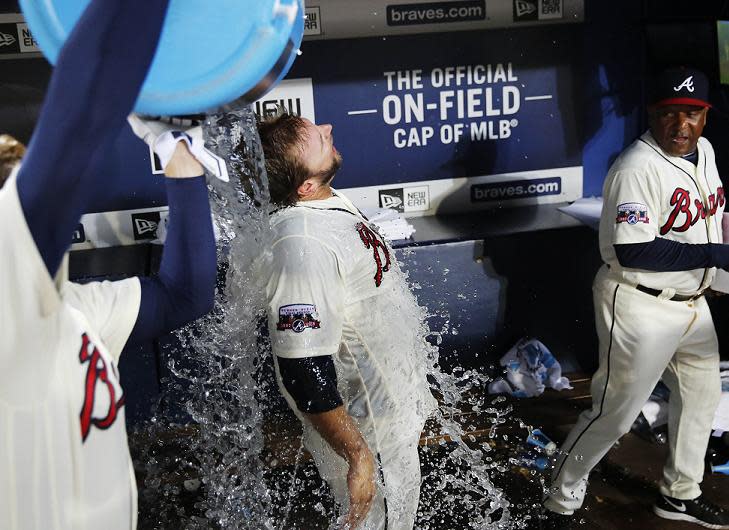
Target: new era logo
<point>534,10</point>
<point>145,225</point>
<point>390,201</point>
<point>312,21</point>
<point>523,8</point>
<point>410,199</point>
<point>392,198</point>
<point>6,40</point>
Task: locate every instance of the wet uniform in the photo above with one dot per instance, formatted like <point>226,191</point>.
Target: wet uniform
<point>644,334</point>
<point>336,290</point>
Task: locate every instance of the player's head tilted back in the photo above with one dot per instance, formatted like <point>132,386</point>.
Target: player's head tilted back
<point>11,152</point>
<point>677,112</point>
<point>301,159</point>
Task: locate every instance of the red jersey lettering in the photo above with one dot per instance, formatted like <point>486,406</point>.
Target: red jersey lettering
<point>97,371</point>
<point>682,218</point>
<point>379,249</point>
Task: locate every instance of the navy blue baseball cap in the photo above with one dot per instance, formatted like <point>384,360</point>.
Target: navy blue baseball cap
<point>680,86</point>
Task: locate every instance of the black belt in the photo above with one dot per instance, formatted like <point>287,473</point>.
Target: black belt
<point>675,297</point>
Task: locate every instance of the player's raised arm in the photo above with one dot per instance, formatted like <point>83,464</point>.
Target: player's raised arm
<point>94,86</point>
<point>184,288</point>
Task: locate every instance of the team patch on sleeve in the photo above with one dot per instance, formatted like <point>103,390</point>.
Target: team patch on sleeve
<point>632,213</point>
<point>297,318</point>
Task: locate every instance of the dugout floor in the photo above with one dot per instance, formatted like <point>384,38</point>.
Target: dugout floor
<point>620,493</point>
<point>621,490</point>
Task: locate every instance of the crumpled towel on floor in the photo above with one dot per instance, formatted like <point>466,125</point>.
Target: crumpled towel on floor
<point>530,368</point>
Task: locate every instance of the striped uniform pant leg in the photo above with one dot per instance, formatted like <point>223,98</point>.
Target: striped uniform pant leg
<point>693,377</point>
<point>638,335</point>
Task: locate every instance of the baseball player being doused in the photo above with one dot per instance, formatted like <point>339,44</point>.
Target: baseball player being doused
<point>64,459</point>
<point>345,330</point>
<point>661,241</point>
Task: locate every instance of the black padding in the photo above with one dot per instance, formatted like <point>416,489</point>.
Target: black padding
<point>312,382</point>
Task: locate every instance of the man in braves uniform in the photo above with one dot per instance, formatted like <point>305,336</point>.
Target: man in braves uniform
<point>661,240</point>
<point>64,460</point>
<point>345,331</point>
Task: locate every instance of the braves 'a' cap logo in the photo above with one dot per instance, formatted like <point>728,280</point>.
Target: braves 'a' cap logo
<point>688,84</point>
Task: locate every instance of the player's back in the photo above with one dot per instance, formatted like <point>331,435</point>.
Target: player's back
<point>64,460</point>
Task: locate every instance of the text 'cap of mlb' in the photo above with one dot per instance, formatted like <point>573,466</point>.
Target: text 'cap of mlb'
<point>680,86</point>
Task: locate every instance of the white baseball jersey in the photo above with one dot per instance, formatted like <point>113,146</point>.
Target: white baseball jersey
<point>649,193</point>
<point>64,459</point>
<point>335,290</point>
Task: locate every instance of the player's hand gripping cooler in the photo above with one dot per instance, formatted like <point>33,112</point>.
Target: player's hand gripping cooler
<point>210,52</point>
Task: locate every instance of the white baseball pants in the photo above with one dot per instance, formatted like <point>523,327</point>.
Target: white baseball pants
<point>398,488</point>
<point>643,338</point>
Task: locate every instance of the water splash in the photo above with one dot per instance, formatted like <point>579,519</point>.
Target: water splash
<point>457,485</point>
<point>206,470</point>
<point>209,476</point>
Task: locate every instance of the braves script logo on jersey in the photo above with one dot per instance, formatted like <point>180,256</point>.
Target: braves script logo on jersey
<point>682,217</point>
<point>632,213</point>
<point>298,318</point>
<point>379,249</point>
<point>99,381</point>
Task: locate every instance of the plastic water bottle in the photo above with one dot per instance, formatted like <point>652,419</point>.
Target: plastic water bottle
<point>722,468</point>
<point>538,439</point>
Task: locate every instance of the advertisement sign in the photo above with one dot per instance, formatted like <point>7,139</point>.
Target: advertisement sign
<point>120,228</point>
<point>16,41</point>
<point>312,22</point>
<point>534,10</point>
<point>461,195</point>
<point>294,96</point>
<point>347,19</point>
<point>487,117</point>
<point>413,14</point>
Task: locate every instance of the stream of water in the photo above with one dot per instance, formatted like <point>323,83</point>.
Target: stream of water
<point>200,456</point>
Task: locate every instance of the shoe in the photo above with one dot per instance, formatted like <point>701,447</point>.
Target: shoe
<point>699,510</point>
<point>549,520</point>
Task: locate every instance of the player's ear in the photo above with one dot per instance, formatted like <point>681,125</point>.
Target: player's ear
<point>308,188</point>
